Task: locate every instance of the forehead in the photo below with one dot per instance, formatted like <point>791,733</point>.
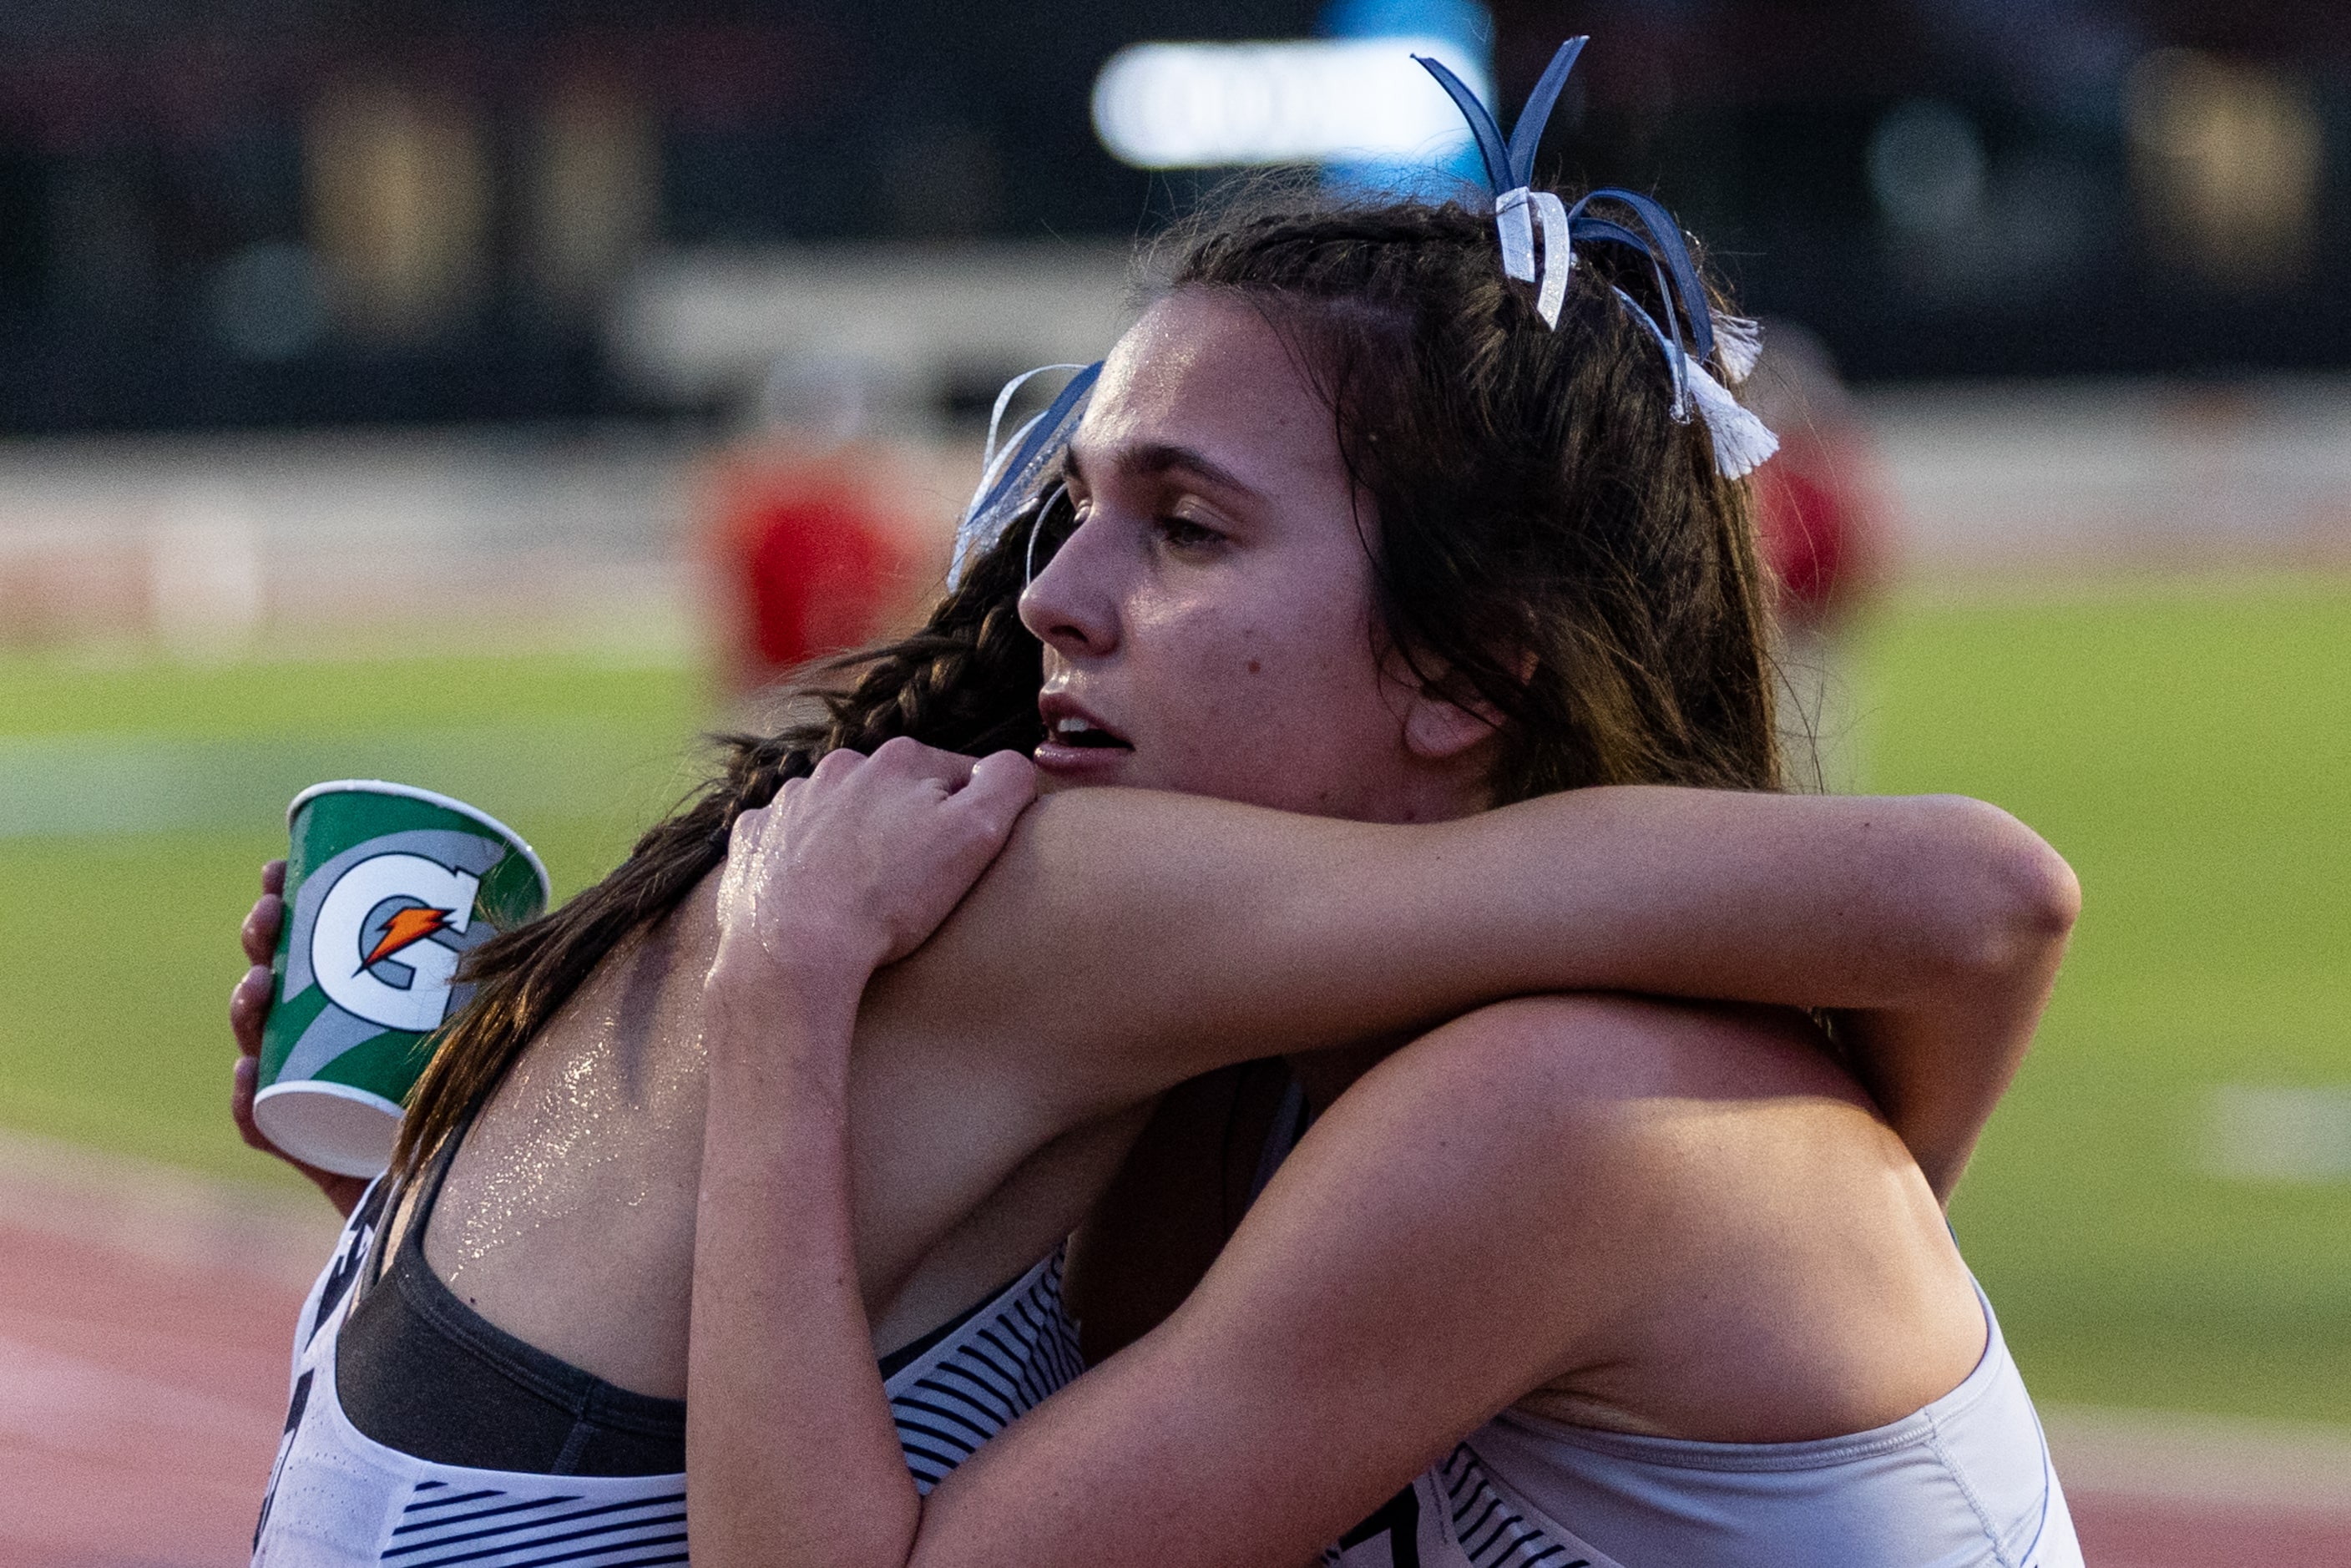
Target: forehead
<point>1210,374</point>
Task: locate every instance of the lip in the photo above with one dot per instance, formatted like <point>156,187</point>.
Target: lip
<point>1078,763</point>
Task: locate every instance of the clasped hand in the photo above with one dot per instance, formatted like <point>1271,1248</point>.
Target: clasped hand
<point>860,862</point>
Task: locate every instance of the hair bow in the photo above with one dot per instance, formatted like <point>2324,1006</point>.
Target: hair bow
<point>1741,440</point>
<point>1510,172</point>
<point>1006,476</point>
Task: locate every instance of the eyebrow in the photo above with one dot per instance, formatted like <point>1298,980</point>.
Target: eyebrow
<point>1158,457</point>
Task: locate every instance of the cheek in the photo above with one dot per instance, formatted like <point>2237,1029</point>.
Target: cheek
<point>1312,682</point>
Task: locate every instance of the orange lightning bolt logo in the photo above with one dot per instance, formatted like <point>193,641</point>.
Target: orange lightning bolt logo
<point>408,926</point>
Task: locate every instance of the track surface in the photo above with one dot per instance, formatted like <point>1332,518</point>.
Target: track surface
<point>139,1404</point>
<point>145,1320</point>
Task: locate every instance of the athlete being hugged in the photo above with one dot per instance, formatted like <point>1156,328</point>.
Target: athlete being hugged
<point>1401,572</point>
<point>1622,1281</point>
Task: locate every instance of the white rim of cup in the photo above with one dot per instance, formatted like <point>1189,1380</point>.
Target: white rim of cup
<point>319,1087</point>
<point>385,787</point>
<point>352,1092</point>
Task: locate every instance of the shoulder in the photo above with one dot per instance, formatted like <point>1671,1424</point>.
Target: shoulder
<point>1591,1062</point>
<point>1618,1152</point>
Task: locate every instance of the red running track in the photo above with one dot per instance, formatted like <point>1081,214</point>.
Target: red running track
<point>2140,1533</point>
<point>142,1386</point>
<point>140,1404</point>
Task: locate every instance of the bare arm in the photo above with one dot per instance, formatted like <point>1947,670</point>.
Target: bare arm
<point>1416,1268</point>
<point>791,1451</point>
<point>1212,933</point>
<point>1204,933</point>
<point>1383,1261</point>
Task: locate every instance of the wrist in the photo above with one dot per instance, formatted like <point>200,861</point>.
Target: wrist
<point>797,954</point>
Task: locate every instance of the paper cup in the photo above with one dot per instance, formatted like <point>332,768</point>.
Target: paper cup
<point>386,886</point>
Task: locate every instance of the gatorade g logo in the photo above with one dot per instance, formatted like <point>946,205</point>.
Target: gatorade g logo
<point>374,946</point>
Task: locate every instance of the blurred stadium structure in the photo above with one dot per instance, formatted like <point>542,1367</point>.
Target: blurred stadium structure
<point>643,229</point>
<point>618,236</point>
<point>287,212</point>
<point>209,542</point>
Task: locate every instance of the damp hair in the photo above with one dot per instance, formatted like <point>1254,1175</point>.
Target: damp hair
<point>1548,544</point>
<point>967,681</point>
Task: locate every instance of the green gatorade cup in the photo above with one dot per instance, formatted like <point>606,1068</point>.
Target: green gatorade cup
<point>386,887</point>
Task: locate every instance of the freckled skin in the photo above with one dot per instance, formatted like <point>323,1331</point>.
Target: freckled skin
<point>1171,571</point>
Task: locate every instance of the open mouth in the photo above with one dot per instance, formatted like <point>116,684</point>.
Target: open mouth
<point>1071,730</point>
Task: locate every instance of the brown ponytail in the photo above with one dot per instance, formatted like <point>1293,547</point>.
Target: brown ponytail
<point>966,682</point>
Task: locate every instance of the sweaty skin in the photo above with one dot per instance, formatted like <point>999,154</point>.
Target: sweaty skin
<point>1217,933</point>
<point>1672,1219</point>
<point>1666,1219</point>
<point>636,1060</point>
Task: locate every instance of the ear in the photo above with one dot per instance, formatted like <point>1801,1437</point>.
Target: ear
<point>1438,729</point>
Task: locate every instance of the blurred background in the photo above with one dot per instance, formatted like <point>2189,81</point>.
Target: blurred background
<point>493,395</point>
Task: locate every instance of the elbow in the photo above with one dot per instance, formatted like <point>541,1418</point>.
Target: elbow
<point>2023,901</point>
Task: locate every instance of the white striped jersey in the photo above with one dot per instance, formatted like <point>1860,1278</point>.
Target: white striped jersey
<point>338,1499</point>
<point>1965,1482</point>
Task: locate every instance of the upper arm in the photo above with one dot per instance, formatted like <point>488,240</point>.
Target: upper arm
<point>1938,1063</point>
<point>1126,941</point>
<point>1681,1214</point>
<point>1412,1270</point>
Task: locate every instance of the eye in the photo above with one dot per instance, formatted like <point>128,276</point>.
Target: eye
<point>1187,534</point>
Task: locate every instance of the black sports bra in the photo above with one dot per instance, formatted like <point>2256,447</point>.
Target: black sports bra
<point>420,1371</point>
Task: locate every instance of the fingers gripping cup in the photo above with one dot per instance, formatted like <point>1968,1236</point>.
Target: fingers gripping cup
<point>386,888</point>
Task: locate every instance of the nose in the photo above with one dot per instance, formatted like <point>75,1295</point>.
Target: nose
<point>1072,604</point>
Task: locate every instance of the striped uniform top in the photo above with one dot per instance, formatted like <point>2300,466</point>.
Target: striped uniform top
<point>338,1499</point>
<point>1964,1482</point>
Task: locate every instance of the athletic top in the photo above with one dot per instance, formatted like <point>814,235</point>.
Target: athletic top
<point>1964,1481</point>
<point>541,1462</point>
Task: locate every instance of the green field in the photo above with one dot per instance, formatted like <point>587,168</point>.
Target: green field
<point>2184,745</point>
<point>2188,748</point>
<point>138,801</point>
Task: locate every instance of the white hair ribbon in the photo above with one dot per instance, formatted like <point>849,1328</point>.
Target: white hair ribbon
<point>1738,344</point>
<point>1516,214</point>
<point>1006,474</point>
<point>1741,442</point>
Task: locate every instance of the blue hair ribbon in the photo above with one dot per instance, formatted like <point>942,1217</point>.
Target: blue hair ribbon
<point>1666,244</point>
<point>1740,441</point>
<point>1518,208</point>
<point>1492,150</point>
<point>1528,132</point>
<point>1006,479</point>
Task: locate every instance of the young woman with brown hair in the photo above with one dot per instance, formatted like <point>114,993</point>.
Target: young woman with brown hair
<point>1626,1281</point>
<point>1349,531</point>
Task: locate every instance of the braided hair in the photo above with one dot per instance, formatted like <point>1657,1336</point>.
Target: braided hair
<point>1547,542</point>
<point>966,682</point>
